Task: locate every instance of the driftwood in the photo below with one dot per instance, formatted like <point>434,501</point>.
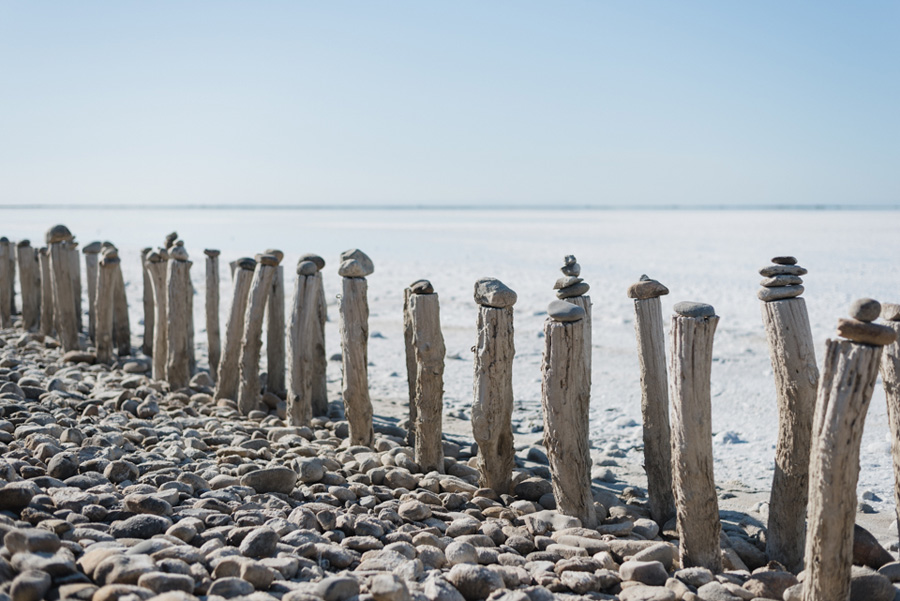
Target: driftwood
<point>696,504</point>
<point>147,298</point>
<point>275,329</point>
<point>428,342</point>
<point>30,284</point>
<point>354,360</point>
<point>179,307</point>
<point>104,303</point>
<point>251,342</point>
<point>156,265</point>
<point>845,390</point>
<point>47,313</point>
<point>302,331</point>
<point>410,367</point>
<point>890,375</point>
<point>91,259</point>
<point>492,405</point>
<point>565,397</point>
<point>648,327</point>
<point>6,277</point>
<point>64,295</point>
<point>227,383</point>
<point>584,302</point>
<point>213,336</point>
<point>796,379</point>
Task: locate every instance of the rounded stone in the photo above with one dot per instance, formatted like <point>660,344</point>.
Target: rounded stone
<point>275,253</point>
<point>694,309</point>
<point>94,247</point>
<point>58,233</point>
<point>307,268</point>
<point>784,260</point>
<point>30,585</point>
<point>337,588</point>
<point>780,293</point>
<point>646,288</point>
<point>262,542</point>
<point>267,260</point>
<point>574,290</point>
<point>319,261</point>
<point>771,270</point>
<point>866,333</point>
<point>276,479</point>
<point>564,312</point>
<point>421,287</point>
<point>460,552</point>
<point>491,292</point>
<point>651,573</point>
<point>474,581</point>
<point>865,309</point>
<point>230,587</point>
<point>355,264</point>
<point>781,280</point>
<point>573,270</point>
<point>246,263</point>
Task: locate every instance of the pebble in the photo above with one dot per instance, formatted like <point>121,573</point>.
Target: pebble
<point>267,260</point>
<point>573,290</point>
<point>643,592</point>
<point>491,292</point>
<point>865,309</point>
<point>564,312</point>
<point>651,573</point>
<point>276,479</point>
<point>694,309</point>
<point>307,268</point>
<point>570,266</point>
<point>474,582</point>
<point>646,288</point>
<point>781,280</point>
<point>30,585</point>
<point>865,333</point>
<point>785,260</point>
<point>319,261</point>
<point>779,293</point>
<point>421,287</point>
<point>773,270</point>
<point>355,264</point>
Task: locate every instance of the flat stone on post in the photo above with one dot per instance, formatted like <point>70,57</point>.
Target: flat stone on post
<point>421,287</point>
<point>646,288</point>
<point>306,268</point>
<point>779,293</point>
<point>865,333</point>
<point>316,259</point>
<point>562,311</point>
<point>784,260</point>
<point>773,270</point>
<point>491,292</point>
<point>694,309</point>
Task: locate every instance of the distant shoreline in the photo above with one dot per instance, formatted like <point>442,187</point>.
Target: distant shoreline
<point>486,207</point>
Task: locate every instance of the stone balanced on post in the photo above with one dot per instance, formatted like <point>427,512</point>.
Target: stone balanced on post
<point>573,289</point>
<point>355,266</point>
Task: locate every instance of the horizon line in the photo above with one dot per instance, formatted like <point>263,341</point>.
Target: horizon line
<point>446,207</point>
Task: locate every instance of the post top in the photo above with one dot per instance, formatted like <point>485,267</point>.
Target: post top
<point>307,268</point>
<point>561,311</point>
<point>24,243</point>
<point>782,280</point>
<point>58,233</point>
<point>267,260</point>
<point>94,248</point>
<point>491,292</point>
<point>179,252</point>
<point>355,264</point>
<point>316,259</point>
<point>421,287</point>
<point>246,263</point>
<point>646,288</point>
<point>211,252</point>
<point>275,253</point>
<point>694,309</point>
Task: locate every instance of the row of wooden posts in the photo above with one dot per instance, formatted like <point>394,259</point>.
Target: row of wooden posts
<point>813,499</point>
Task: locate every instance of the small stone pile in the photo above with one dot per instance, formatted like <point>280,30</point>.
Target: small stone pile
<point>571,285</point>
<point>781,280</point>
<point>860,326</point>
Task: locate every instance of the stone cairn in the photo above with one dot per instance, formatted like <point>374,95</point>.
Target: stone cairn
<point>492,405</point>
<point>793,358</point>
<point>572,289</point>
<point>648,327</point>
<point>890,376</point>
<point>566,399</point>
<point>302,343</point>
<point>848,379</point>
<point>355,266</point>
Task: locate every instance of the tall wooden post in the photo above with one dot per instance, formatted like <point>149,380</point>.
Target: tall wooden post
<point>75,274</point>
<point>845,390</point>
<point>648,327</point>
<point>696,504</point>
<point>30,284</point>
<point>572,289</point>
<point>566,398</point>
<point>91,258</point>
<point>5,277</point>
<point>301,344</point>
<point>12,281</point>
<point>149,309</point>
<point>121,322</point>
<point>890,375</point>
<point>156,265</point>
<point>492,405</point>
<point>275,332</point>
<point>251,343</point>
<point>796,379</point>
<point>213,336</point>
<point>320,360</point>
<point>48,324</point>
<point>179,303</point>
<point>59,239</point>
<point>229,364</point>
<point>410,366</point>
<point>104,304</point>
<point>355,266</point>
<point>428,342</point>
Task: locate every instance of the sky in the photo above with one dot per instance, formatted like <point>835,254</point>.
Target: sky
<point>458,103</point>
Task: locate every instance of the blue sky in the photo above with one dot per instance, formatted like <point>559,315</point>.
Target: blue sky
<point>450,103</point>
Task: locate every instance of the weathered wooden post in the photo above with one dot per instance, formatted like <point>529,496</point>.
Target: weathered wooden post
<point>229,364</point>
<point>59,239</point>
<point>301,344</point>
<point>121,322</point>
<point>156,265</point>
<point>104,304</point>
<point>572,288</point>
<point>30,283</point>
<point>48,324</point>
<point>796,379</point>
<point>75,274</point>
<point>251,342</point>
<point>179,306</point>
<point>213,336</point>
<point>320,361</point>
<point>410,365</point>
<point>492,405</point>
<point>91,259</point>
<point>648,327</point>
<point>428,342</point>
<point>5,277</point>
<point>696,504</point>
<point>147,298</point>
<point>12,281</point>
<point>890,375</point>
<point>355,266</point>
<point>275,332</point>
<point>566,398</point>
<point>845,390</point>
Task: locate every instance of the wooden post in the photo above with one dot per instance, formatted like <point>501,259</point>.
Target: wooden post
<point>75,274</point>
<point>320,361</point>
<point>30,285</point>
<point>156,265</point>
<point>227,383</point>
<point>890,375</point>
<point>572,289</point>
<point>147,298</point>
<point>410,366</point>
<point>47,312</point>
<point>355,266</point>
<point>275,332</point>
<point>121,322</point>
<point>251,343</point>
<point>179,309</point>
<point>566,398</point>
<point>648,328</point>
<point>104,304</point>
<point>845,390</point>
<point>428,342</point>
<point>5,277</point>
<point>213,338</point>
<point>301,344</point>
<point>796,379</point>
<point>696,504</point>
<point>91,258</point>
<point>59,239</point>
<point>12,281</point>
<point>492,405</point>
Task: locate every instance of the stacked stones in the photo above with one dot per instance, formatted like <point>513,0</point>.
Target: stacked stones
<point>859,328</point>
<point>781,280</point>
<point>572,289</point>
